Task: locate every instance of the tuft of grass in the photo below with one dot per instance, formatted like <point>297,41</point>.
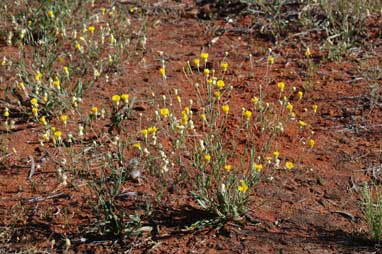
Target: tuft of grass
<point>372,211</point>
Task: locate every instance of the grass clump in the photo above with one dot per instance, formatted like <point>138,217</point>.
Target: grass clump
<point>372,211</point>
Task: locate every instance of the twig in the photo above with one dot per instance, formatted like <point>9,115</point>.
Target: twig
<point>33,167</point>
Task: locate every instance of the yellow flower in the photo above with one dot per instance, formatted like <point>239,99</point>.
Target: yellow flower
<point>203,117</point>
<point>22,85</point>
<point>227,167</point>
<point>162,72</point>
<point>289,165</point>
<point>276,154</point>
<point>243,187</point>
<point>164,112</point>
<point>56,83</point>
<point>78,46</point>
<point>152,129</point>
<point>66,70</point>
<point>207,157</point>
<point>58,134</point>
<point>125,98</point>
<point>184,119</point>
<point>103,10</point>
<point>94,110</point>
<point>137,146</point>
<point>38,76</point>
<point>35,111</point>
<point>206,72</point>
<point>311,143</point>
<point>300,94</point>
<point>247,114</point>
<point>144,132</point>
<point>64,118</point>
<point>43,120</point>
<point>290,107</point>
<point>6,112</point>
<point>197,62</point>
<point>204,56</point>
<point>258,167</point>
<point>34,102</point>
<point>218,94</point>
<point>91,29</point>
<point>225,108</point>
<point>50,14</point>
<point>281,86</point>
<point>116,98</point>
<point>308,53</point>
<point>271,60</point>
<point>255,100</point>
<point>315,107</point>
<point>220,84</point>
<point>224,66</point>
<point>301,123</point>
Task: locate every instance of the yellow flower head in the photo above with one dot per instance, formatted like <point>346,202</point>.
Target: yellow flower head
<point>6,112</point>
<point>64,118</point>
<point>301,123</point>
<point>247,114</point>
<point>281,86</point>
<point>206,72</point>
<point>162,72</point>
<point>225,108</point>
<point>91,29</point>
<point>258,167</point>
<point>144,132</point>
<point>152,129</point>
<point>220,84</point>
<point>300,94</point>
<point>307,52</point>
<point>66,70</point>
<point>197,62</point>
<point>94,110</point>
<point>290,107</point>
<point>311,143</point>
<point>137,146</point>
<point>50,14</point>
<point>56,83</point>
<point>315,107</point>
<point>38,76</point>
<point>224,66</point>
<point>207,158</point>
<point>116,98</point>
<point>271,60</point>
<point>164,112</point>
<point>22,85</point>
<point>34,102</point>
<point>243,187</point>
<point>43,120</point>
<point>289,165</point>
<point>218,94</point>
<point>203,117</point>
<point>78,46</point>
<point>227,167</point>
<point>58,134</point>
<point>125,98</point>
<point>35,112</point>
<point>204,56</point>
<point>276,154</point>
<point>255,100</point>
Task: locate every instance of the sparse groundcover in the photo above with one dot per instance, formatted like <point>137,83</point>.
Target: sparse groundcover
<point>134,127</point>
